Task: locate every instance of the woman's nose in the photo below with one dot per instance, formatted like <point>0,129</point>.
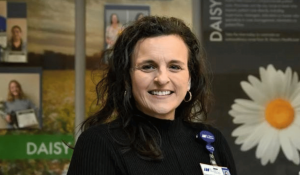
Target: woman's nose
<point>162,77</point>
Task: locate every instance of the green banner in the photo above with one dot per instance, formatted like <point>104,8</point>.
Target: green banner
<point>35,147</point>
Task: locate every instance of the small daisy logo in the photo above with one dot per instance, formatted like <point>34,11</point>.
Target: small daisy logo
<point>271,119</point>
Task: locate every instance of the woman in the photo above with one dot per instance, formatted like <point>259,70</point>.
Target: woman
<point>113,30</point>
<point>16,43</point>
<point>16,101</point>
<point>156,88</point>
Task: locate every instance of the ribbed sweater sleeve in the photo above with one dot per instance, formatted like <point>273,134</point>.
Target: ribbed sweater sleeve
<point>93,154</point>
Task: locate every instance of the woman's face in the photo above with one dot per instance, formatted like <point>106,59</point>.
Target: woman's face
<point>14,89</point>
<point>114,19</point>
<point>160,75</point>
<point>16,34</point>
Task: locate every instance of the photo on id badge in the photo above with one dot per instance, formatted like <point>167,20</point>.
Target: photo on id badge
<point>225,171</point>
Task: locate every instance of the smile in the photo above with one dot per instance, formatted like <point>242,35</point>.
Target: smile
<point>160,93</point>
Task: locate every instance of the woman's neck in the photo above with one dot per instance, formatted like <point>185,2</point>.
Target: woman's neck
<point>114,25</point>
<point>17,43</point>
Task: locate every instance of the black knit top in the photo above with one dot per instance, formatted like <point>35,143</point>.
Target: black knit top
<point>96,151</point>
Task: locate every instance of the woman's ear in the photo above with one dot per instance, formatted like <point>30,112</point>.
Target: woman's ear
<point>189,84</point>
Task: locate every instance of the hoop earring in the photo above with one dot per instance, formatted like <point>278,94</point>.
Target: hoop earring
<point>189,98</point>
<point>125,93</point>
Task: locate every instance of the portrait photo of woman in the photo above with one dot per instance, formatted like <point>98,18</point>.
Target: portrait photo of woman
<point>113,30</point>
<point>16,42</point>
<point>16,101</point>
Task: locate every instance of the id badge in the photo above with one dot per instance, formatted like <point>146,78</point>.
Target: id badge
<point>214,170</point>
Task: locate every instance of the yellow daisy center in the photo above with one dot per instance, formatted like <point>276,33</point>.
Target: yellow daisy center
<point>279,113</point>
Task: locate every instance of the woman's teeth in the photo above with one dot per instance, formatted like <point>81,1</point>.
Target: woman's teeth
<point>160,92</point>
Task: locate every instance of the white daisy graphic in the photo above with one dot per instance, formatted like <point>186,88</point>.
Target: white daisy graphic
<point>271,119</point>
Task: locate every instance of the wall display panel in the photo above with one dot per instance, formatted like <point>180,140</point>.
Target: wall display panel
<point>21,98</point>
<point>13,32</point>
<point>253,51</point>
<point>3,16</point>
<point>261,32</point>
<point>117,17</point>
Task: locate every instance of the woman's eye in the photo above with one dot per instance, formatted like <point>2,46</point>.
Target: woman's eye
<point>148,67</point>
<point>175,67</point>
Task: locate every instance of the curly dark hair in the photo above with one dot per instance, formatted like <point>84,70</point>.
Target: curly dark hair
<point>142,138</point>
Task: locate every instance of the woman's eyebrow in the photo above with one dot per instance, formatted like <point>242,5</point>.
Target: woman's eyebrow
<point>177,62</point>
<point>150,61</point>
<point>147,61</point>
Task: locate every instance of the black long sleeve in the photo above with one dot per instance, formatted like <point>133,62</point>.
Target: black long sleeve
<point>97,153</point>
<point>93,154</point>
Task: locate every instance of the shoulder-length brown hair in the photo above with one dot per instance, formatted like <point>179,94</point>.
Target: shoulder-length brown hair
<point>10,96</point>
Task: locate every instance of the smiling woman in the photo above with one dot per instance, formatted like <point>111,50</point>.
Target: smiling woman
<point>16,101</point>
<point>157,97</point>
<point>160,76</point>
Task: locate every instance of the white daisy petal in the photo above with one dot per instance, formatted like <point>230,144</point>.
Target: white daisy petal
<point>243,130</point>
<point>295,78</point>
<point>295,93</point>
<point>296,101</point>
<point>294,83</point>
<point>256,83</point>
<point>271,68</point>
<point>265,141</point>
<point>275,149</point>
<point>286,145</point>
<point>249,104</point>
<point>296,159</point>
<point>266,157</point>
<point>254,93</point>
<point>241,139</point>
<point>279,84</point>
<point>272,152</point>
<point>264,160</point>
<point>263,75</point>
<point>241,109</point>
<point>233,113</point>
<point>254,137</point>
<point>273,78</point>
<point>295,139</point>
<point>288,82</point>
<point>297,119</point>
<point>258,115</point>
<point>248,119</point>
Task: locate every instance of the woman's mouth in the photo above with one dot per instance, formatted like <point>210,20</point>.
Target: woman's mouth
<point>160,93</point>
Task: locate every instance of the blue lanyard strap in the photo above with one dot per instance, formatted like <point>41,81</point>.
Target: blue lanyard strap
<point>209,138</point>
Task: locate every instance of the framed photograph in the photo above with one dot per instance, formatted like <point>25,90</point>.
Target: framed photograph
<point>117,17</point>
<point>20,98</point>
<point>3,37</point>
<point>14,40</point>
